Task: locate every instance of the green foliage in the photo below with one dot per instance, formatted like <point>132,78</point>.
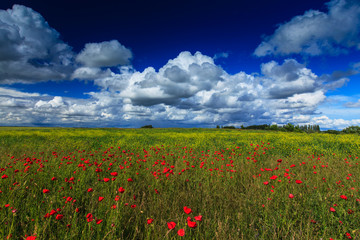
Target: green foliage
<point>147,126</point>
<point>352,129</point>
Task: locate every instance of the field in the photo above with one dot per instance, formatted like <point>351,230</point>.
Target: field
<point>61,183</point>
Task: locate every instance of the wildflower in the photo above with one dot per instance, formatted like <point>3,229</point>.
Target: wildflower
<point>46,190</point>
<point>171,225</point>
<point>149,221</point>
<point>344,197</point>
<point>187,210</point>
<point>181,232</point>
<point>291,195</point>
<point>192,224</point>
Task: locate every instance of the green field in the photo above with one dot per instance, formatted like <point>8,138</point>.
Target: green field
<point>64,183</point>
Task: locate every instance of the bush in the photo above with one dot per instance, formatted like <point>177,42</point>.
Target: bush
<point>147,126</point>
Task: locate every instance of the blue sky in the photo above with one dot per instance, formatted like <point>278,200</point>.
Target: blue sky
<point>179,63</point>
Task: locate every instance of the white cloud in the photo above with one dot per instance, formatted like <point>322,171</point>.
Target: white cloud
<point>327,123</point>
<point>315,33</point>
<point>104,54</point>
<point>353,104</point>
<point>30,50</point>
<point>189,90</point>
<point>221,55</point>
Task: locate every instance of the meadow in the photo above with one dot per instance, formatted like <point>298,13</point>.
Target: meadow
<point>68,183</point>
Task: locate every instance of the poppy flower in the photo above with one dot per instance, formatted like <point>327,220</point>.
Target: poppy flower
<point>31,238</point>
<point>99,221</point>
<point>332,209</point>
<point>198,218</point>
<point>344,197</point>
<point>114,174</point>
<point>187,210</point>
<point>171,225</point>
<point>90,190</point>
<point>4,176</point>
<point>106,179</point>
<point>150,220</point>
<point>181,232</point>
<point>46,190</point>
<point>121,190</point>
<point>192,224</point>
<point>266,183</point>
<point>89,215</point>
<point>291,195</point>
<point>130,180</point>
<point>101,198</point>
<point>53,212</point>
<point>298,181</point>
<point>59,216</point>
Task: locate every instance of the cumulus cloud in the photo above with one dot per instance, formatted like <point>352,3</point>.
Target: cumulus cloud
<point>104,54</point>
<point>30,50</point>
<point>315,33</point>
<point>189,90</point>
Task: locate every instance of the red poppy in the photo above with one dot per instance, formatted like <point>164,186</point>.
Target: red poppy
<point>89,215</point>
<point>298,181</point>
<point>344,197</point>
<point>101,198</point>
<point>4,176</point>
<point>273,177</point>
<point>332,209</point>
<point>59,216</point>
<point>114,174</point>
<point>130,180</point>
<point>192,224</point>
<point>291,195</point>
<point>187,210</point>
<point>46,190</point>
<point>171,225</point>
<point>133,206</point>
<point>266,182</point>
<point>99,221</point>
<point>181,232</point>
<point>90,190</point>
<point>31,238</point>
<point>106,179</point>
<point>198,218</point>
<point>150,220</point>
<point>121,190</point>
<point>52,212</point>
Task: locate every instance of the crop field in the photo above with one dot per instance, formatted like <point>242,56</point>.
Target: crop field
<point>64,183</point>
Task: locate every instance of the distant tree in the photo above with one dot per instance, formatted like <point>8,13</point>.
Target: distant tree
<point>289,127</point>
<point>274,127</point>
<point>228,127</point>
<point>147,126</point>
<point>217,126</point>
<point>352,129</point>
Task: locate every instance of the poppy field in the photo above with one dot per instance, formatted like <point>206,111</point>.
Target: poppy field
<point>64,183</point>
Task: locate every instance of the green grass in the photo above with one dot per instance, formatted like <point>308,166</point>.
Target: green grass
<point>218,173</point>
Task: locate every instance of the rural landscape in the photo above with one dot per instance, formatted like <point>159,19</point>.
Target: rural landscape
<point>67,183</point>
<point>201,120</point>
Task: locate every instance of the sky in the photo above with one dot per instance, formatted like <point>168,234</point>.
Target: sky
<point>179,63</point>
